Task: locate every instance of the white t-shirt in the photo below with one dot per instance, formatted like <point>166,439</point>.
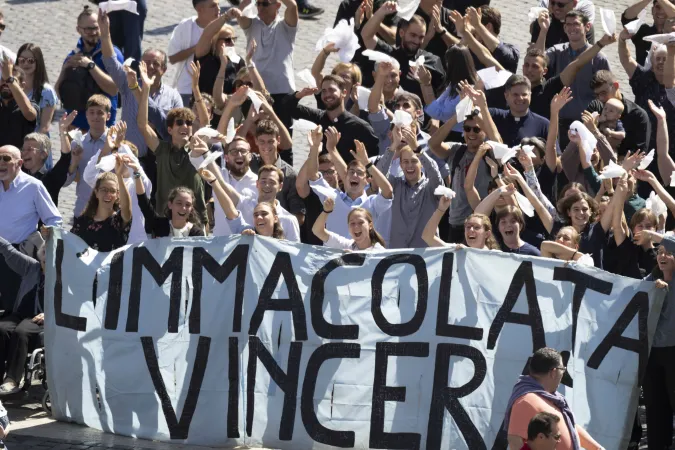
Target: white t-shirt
<point>185,35</point>
<point>337,241</point>
<point>288,222</point>
<point>274,56</point>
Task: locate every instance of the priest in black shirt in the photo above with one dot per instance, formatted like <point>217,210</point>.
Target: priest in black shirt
<point>553,24</point>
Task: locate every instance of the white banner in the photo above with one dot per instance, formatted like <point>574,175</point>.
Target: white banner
<point>259,342</point>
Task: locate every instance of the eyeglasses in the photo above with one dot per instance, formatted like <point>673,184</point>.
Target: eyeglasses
<point>562,368</point>
<point>558,4</point>
<point>556,436</point>
<point>89,29</point>
<point>263,4</point>
<point>105,190</point>
<point>240,83</point>
<point>330,172</point>
<point>468,128</point>
<point>22,60</point>
<point>237,151</point>
<point>181,122</point>
<point>6,158</point>
<point>359,173</point>
<point>229,40</point>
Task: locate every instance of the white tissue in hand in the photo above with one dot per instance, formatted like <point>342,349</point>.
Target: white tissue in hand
<point>302,125</point>
<point>660,38</point>
<point>107,163</point>
<point>231,54</point>
<point>672,179</point>
<point>493,78</point>
<point>528,150</point>
<point>612,170</point>
<point>402,119</point>
<point>586,260</point>
<point>209,159</point>
<point>251,11</point>
<point>406,12</point>
<point>502,152</point>
<point>656,205</point>
<point>76,136</point>
<point>445,192</point>
<point>306,76</point>
<point>231,132</point>
<point>608,21</point>
<point>635,25</point>
<point>364,95</point>
<point>378,56</point>
<point>525,205</point>
<point>463,109</point>
<point>590,142</point>
<point>418,62</point>
<point>647,160</point>
<point>534,13</point>
<point>127,62</point>
<point>119,5</point>
<point>343,37</point>
<point>255,100</point>
<point>207,132</point>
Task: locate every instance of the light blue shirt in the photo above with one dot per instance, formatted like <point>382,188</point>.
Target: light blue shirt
<point>22,205</point>
<point>83,190</point>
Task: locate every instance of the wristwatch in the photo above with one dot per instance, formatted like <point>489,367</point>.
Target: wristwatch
<point>91,65</point>
<point>137,174</point>
<point>10,80</point>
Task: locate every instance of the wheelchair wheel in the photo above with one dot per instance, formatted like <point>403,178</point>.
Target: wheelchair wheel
<point>47,403</point>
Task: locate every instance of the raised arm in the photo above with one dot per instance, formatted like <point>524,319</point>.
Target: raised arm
<point>256,78</point>
<point>669,67</point>
<point>375,99</point>
<point>378,177</point>
<point>542,212</point>
<point>310,168</point>
<point>484,118</point>
<point>203,46</point>
<point>233,102</point>
<point>627,61</point>
<point>645,175</point>
<point>27,109</point>
<point>332,139</point>
<point>472,194</point>
<point>219,96</point>
<point>552,249</point>
<point>665,162</point>
<point>620,194</point>
<point>320,62</point>
<point>224,200</point>
<point>544,21</point>
<point>107,48</point>
<point>429,232</point>
<point>551,156</point>
<point>570,72</point>
<point>291,14</point>
<point>151,139</point>
<point>319,227</point>
<point>371,28</point>
<point>488,203</point>
<point>633,10</point>
<point>437,142</point>
<point>465,31</point>
<point>202,112</point>
<point>124,197</point>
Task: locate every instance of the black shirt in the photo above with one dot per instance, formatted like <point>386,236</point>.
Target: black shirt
<point>505,54</point>
<point>313,208</point>
<point>641,46</point>
<point>54,179</point>
<point>514,129</point>
<point>436,45</point>
<point>556,33</point>
<point>635,122</point>
<point>13,125</point>
<point>629,259</point>
<point>461,5</point>
<point>349,126</point>
<point>209,67</point>
<point>542,95</point>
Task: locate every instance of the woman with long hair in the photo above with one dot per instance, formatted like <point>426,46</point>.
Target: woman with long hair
<point>361,228</point>
<point>180,218</point>
<point>265,217</point>
<point>37,87</point>
<point>106,220</point>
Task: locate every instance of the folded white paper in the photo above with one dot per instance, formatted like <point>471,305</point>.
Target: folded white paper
<point>212,156</point>
<point>251,11</point>
<point>128,61</point>
<point>343,37</point>
<point>534,13</point>
<point>255,100</point>
<point>608,21</point>
<point>377,57</point>
<point>502,152</point>
<point>647,160</point>
<point>660,38</point>
<point>612,170</point>
<point>76,136</point>
<point>463,109</point>
<point>528,150</point>
<point>493,78</point>
<point>445,192</point>
<point>231,54</point>
<point>406,12</point>
<point>525,205</point>
<point>585,260</point>
<point>635,25</point>
<point>119,5</point>
<point>364,95</point>
<point>418,62</point>
<point>107,163</point>
<point>402,119</point>
<point>590,142</point>
<point>207,133</point>
<point>231,131</point>
<point>656,205</point>
<point>306,76</point>
<point>302,125</point>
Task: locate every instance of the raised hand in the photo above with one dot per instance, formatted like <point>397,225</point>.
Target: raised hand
<point>306,92</point>
<point>119,165</point>
<point>561,99</point>
<point>625,35</point>
<point>444,203</point>
<point>132,78</point>
<point>330,48</point>
<point>252,47</point>
<point>387,8</point>
<point>608,39</point>
<point>644,175</point>
<point>66,121</point>
<point>239,97</point>
<point>220,52</point>
<point>110,138</point>
<point>315,137</point>
<point>658,111</point>
<point>361,155</point>
<point>494,167</point>
<point>328,205</point>
<point>198,147</point>
<point>631,161</point>
<point>143,70</point>
<point>103,23</point>
<point>195,69</point>
<point>131,163</point>
<point>409,137</point>
<point>589,120</point>
<point>424,76</point>
<point>544,20</point>
<point>121,132</point>
<point>332,139</point>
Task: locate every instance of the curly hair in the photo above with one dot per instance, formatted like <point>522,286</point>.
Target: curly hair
<point>565,204</point>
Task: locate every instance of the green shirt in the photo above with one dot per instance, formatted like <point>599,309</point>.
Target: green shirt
<point>174,169</point>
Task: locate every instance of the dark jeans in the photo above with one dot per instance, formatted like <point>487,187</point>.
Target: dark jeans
<point>286,119</point>
<point>456,234</point>
<point>16,335</point>
<point>126,30</point>
<point>659,394</point>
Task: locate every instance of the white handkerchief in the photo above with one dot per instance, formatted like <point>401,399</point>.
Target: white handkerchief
<point>656,205</point>
<point>445,192</point>
<point>377,56</point>
<point>231,54</point>
<point>612,170</point>
<point>635,25</point>
<point>343,37</point>
<point>647,160</point>
<point>364,95</point>
<point>231,132</point>
<point>528,150</point>
<point>209,159</point>
<point>463,109</point>
<point>76,136</point>
<point>406,12</point>
<point>672,179</point>
<point>306,76</point>
<point>107,163</point>
<point>207,132</point>
<point>587,137</point>
<point>302,125</point>
<point>502,152</point>
<point>525,205</point>
<point>402,119</point>
<point>492,78</point>
<point>251,11</point>
<point>255,100</point>
<point>608,21</point>
<point>586,260</point>
<point>119,5</point>
<point>128,61</point>
<point>660,38</point>
<point>418,62</point>
<point>534,13</point>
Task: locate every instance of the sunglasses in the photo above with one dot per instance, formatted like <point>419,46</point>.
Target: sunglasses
<point>6,158</point>
<point>22,60</point>
<point>228,40</point>
<point>181,122</point>
<point>239,83</point>
<point>468,128</point>
<point>558,4</point>
<point>263,4</point>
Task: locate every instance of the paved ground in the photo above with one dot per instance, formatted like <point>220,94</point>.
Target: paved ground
<point>51,25</point>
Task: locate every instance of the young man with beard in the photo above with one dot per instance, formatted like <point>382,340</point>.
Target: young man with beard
<point>412,35</point>
<point>174,167</point>
<point>549,28</point>
<point>333,94</point>
<point>90,57</point>
<point>18,114</point>
<point>268,186</point>
<point>355,176</point>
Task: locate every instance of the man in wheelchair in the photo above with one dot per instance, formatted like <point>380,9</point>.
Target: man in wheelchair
<point>23,319</point>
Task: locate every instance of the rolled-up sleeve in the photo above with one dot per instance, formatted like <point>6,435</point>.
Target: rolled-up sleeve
<point>45,207</point>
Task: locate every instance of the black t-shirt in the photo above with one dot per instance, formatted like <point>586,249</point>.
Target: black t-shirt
<point>542,95</point>
<point>436,45</point>
<point>209,67</point>
<point>556,33</point>
<point>629,259</point>
<point>13,125</point>
<point>635,122</point>
<point>461,5</point>
<point>313,208</point>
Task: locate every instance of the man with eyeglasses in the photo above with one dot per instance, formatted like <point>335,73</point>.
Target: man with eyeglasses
<point>89,57</point>
<point>549,28</point>
<point>18,114</point>
<point>543,432</point>
<point>538,393</point>
<point>4,51</point>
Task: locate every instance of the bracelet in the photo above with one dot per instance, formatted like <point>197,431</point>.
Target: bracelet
<point>134,87</point>
<point>137,174</point>
<point>600,45</point>
<point>575,254</point>
<point>327,212</point>
<point>368,166</point>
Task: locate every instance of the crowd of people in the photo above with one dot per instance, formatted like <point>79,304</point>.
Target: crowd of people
<point>423,135</point>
